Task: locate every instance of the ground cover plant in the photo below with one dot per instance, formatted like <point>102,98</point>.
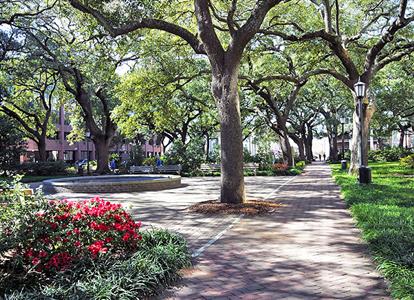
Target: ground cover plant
<point>90,249</point>
<point>384,211</point>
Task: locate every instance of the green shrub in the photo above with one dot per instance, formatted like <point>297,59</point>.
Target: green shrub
<point>388,154</point>
<point>408,161</point>
<point>150,161</point>
<point>155,264</point>
<point>294,171</point>
<point>43,168</point>
<point>280,169</point>
<point>300,164</point>
<point>189,156</point>
<point>264,173</point>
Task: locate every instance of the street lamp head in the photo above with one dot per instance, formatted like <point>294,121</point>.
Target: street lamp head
<point>88,134</point>
<point>342,120</point>
<point>359,89</point>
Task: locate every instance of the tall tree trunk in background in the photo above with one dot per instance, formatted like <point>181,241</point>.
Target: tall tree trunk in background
<point>225,91</point>
<point>102,144</point>
<point>333,143</point>
<point>41,147</point>
<point>286,149</point>
<point>402,136</point>
<point>299,141</point>
<point>368,111</point>
<point>308,143</point>
<point>207,147</point>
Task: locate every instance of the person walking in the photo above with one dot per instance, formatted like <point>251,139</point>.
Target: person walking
<point>320,157</point>
<point>324,157</point>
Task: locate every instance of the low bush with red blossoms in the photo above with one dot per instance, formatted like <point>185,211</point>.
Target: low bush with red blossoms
<point>66,232</point>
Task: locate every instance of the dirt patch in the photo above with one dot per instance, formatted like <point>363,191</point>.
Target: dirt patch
<point>250,207</point>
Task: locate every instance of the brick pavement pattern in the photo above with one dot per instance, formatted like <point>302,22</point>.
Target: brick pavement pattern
<point>310,249</point>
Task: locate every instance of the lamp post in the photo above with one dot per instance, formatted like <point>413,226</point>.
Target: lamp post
<point>88,135</point>
<point>364,171</point>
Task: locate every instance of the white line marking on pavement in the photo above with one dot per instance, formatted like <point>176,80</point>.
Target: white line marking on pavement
<point>236,220</point>
<point>278,189</point>
<point>218,236</point>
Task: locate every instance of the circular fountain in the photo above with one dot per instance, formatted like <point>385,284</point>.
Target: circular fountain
<point>111,184</point>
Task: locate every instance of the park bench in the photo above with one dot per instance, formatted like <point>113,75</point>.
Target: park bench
<point>141,169</point>
<point>169,169</point>
<point>251,167</point>
<point>210,168</point>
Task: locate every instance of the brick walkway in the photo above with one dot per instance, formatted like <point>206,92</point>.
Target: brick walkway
<point>309,250</point>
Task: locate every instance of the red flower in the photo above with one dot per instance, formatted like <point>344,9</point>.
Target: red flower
<point>126,237</point>
<point>35,261</point>
<point>77,244</point>
<point>76,231</point>
<point>97,247</point>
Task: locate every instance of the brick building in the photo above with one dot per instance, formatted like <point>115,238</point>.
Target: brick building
<point>58,147</point>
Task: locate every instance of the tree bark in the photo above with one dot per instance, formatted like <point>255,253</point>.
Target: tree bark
<point>207,147</point>
<point>308,143</point>
<point>402,136</point>
<point>368,111</point>
<point>102,144</point>
<point>41,147</point>
<point>225,91</point>
<point>299,141</point>
<point>333,144</point>
<point>286,149</point>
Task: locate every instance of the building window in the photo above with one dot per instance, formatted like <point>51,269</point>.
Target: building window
<point>68,155</point>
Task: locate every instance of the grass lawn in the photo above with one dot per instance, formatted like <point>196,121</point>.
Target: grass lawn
<point>41,178</point>
<point>27,179</point>
<point>384,211</point>
<point>30,178</point>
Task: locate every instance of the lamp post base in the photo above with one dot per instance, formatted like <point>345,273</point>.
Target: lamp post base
<point>344,165</point>
<point>365,175</point>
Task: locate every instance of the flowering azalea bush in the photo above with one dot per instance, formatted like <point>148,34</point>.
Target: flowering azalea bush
<point>66,232</point>
<point>280,168</point>
<point>82,250</point>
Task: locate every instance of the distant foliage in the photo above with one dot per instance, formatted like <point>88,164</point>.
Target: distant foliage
<point>280,168</point>
<point>149,161</point>
<point>301,164</point>
<point>408,161</point>
<point>190,156</point>
<point>388,154</point>
<point>11,146</point>
<point>43,168</point>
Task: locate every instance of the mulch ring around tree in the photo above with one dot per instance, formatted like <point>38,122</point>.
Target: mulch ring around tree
<point>250,207</point>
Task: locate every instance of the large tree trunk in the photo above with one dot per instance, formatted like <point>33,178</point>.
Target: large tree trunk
<point>207,147</point>
<point>402,136</point>
<point>301,146</point>
<point>102,144</point>
<point>333,145</point>
<point>286,149</point>
<point>225,91</point>
<point>308,144</point>
<point>41,147</point>
<point>355,148</point>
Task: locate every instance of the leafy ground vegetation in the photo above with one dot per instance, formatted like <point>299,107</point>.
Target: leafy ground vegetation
<point>384,211</point>
<point>90,249</point>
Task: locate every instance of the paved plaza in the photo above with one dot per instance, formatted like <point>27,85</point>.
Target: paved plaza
<point>309,249</point>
